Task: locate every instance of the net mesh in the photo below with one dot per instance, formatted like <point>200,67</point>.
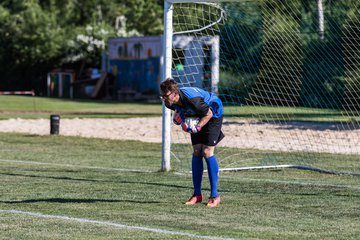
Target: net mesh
<point>288,73</point>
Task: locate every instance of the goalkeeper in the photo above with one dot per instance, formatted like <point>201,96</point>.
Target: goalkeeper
<point>195,102</point>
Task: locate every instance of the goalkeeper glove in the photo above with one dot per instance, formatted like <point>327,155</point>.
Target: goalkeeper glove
<point>177,118</point>
<point>194,129</point>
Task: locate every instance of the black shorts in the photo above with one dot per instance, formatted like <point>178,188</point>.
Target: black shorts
<point>210,134</point>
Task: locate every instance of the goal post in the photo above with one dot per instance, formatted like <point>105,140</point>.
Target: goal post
<point>166,72</point>
<point>288,73</point>
<point>166,65</point>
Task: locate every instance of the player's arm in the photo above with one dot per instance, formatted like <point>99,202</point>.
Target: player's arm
<point>176,115</point>
<point>202,122</point>
<point>171,107</point>
<point>205,119</point>
<point>202,109</point>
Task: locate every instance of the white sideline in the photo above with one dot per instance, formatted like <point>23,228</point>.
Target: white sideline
<point>75,166</point>
<point>112,224</point>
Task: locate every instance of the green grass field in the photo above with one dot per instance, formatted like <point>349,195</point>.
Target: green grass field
<point>41,107</point>
<point>56,187</point>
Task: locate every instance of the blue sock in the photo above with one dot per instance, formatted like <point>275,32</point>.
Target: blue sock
<point>197,172</point>
<point>213,172</point>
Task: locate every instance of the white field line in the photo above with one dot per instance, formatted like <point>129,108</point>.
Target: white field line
<point>112,224</point>
<point>74,166</point>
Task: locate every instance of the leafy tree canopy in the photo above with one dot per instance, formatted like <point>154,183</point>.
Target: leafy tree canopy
<point>35,35</point>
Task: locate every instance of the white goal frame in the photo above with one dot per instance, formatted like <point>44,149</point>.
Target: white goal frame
<point>166,73</point>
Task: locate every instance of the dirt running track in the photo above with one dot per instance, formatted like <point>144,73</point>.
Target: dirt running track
<point>242,134</point>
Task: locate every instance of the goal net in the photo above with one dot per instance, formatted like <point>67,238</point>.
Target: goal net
<point>288,73</point>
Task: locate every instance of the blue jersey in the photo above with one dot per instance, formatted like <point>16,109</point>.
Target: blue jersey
<point>196,102</point>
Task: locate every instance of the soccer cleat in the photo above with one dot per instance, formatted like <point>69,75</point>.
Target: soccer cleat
<point>213,202</point>
<point>194,199</point>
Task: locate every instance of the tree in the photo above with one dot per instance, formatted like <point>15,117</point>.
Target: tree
<point>36,35</point>
<point>30,40</point>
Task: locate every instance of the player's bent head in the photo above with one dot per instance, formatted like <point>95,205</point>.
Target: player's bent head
<point>168,85</point>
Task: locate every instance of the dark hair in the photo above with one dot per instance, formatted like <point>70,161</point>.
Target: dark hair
<point>168,85</point>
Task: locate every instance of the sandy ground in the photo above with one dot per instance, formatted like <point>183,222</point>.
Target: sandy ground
<point>241,134</point>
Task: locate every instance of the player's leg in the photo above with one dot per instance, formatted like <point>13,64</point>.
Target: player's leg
<point>212,136</point>
<point>213,173</point>
<point>197,168</point>
<point>213,169</point>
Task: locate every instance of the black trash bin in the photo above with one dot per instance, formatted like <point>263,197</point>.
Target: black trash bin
<point>54,124</point>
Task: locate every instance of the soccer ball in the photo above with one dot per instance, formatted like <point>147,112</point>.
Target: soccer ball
<point>192,121</point>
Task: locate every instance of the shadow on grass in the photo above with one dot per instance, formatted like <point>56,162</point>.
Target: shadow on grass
<point>94,180</point>
<point>156,184</point>
<point>113,181</point>
<point>75,200</point>
<point>50,177</point>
